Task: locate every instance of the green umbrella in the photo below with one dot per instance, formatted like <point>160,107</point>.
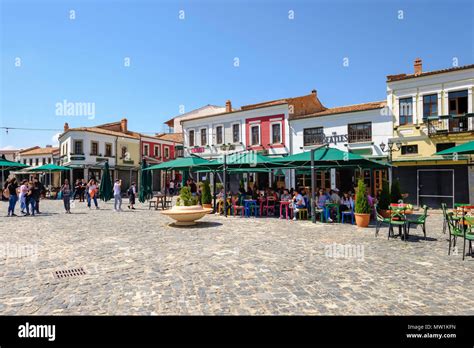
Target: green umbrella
<point>48,168</point>
<point>464,149</point>
<point>4,163</point>
<point>328,157</point>
<point>246,160</point>
<point>145,184</point>
<point>105,191</point>
<point>184,163</point>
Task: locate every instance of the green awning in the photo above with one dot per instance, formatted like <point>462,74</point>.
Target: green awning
<point>184,163</point>
<point>464,149</point>
<point>10,164</point>
<point>329,157</point>
<point>248,160</point>
<point>49,168</point>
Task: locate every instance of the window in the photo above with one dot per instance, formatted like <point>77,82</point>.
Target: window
<point>276,133</point>
<point>444,146</point>
<point>219,139</point>
<point>406,111</point>
<point>236,133</point>
<point>31,162</point>
<point>44,161</point>
<point>24,161</point>
<point>255,135</point>
<point>94,148</point>
<point>458,102</point>
<point>203,137</point>
<point>36,161</point>
<point>78,147</point>
<point>156,150</point>
<point>409,149</point>
<point>430,105</point>
<point>191,138</point>
<point>108,150</point>
<point>359,132</point>
<point>146,149</point>
<point>167,152</point>
<point>313,136</point>
<point>49,160</point>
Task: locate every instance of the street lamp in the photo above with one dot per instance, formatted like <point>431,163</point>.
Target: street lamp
<point>392,147</point>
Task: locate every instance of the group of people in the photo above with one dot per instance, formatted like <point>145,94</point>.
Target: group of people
<point>28,193</point>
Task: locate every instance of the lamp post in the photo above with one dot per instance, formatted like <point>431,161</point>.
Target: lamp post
<point>391,147</point>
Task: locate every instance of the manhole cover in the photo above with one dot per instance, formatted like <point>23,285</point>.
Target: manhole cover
<point>67,273</point>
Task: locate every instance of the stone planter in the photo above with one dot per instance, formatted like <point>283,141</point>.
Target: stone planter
<point>186,216</point>
<point>206,205</point>
<point>362,220</point>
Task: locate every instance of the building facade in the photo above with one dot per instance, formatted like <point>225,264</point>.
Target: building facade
<point>432,111</point>
<point>360,129</point>
<point>39,156</point>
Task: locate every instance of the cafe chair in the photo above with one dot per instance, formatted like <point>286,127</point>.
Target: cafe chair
<point>348,213</point>
<point>421,220</point>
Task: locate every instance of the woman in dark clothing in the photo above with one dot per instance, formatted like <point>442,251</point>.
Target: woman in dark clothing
<point>33,192</point>
<point>66,193</point>
<point>11,185</point>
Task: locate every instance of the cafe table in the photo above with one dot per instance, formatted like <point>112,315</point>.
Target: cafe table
<point>285,204</point>
<point>160,198</point>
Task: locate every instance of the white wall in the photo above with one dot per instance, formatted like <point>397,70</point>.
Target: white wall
<point>381,129</point>
<point>86,138</point>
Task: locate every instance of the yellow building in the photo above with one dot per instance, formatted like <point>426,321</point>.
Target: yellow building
<point>432,111</point>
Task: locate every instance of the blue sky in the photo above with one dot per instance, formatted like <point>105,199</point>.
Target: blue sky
<point>190,62</point>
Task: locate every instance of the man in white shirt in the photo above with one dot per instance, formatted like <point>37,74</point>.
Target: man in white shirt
<point>118,195</point>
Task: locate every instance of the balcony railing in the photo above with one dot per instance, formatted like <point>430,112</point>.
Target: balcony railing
<point>450,124</point>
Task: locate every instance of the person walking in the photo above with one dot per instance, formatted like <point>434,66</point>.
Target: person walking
<point>171,187</point>
<point>132,192</point>
<point>10,192</point>
<point>22,195</point>
<point>66,194</point>
<point>31,198</point>
<point>118,195</point>
<point>92,190</point>
<point>40,189</point>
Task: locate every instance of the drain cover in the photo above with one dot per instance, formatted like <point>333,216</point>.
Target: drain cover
<point>67,273</point>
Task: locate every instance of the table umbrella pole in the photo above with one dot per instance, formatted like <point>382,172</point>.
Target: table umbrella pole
<point>225,185</point>
<point>313,188</point>
<point>214,179</point>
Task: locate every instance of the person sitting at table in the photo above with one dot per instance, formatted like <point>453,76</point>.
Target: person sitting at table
<point>220,195</point>
<point>298,203</point>
<point>334,197</point>
<point>285,196</point>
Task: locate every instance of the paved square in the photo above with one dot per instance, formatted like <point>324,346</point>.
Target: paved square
<point>136,263</point>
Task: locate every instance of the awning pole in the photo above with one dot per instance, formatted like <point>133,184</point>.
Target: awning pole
<point>313,188</point>
<point>225,185</point>
<point>214,179</point>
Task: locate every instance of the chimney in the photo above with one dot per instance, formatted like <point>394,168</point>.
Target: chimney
<point>417,66</point>
<point>123,125</point>
<point>228,106</point>
<point>315,93</point>
<point>66,127</point>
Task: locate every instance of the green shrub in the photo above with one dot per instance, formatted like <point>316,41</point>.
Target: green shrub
<point>384,199</point>
<point>206,197</point>
<point>395,193</point>
<point>185,198</point>
<point>362,204</point>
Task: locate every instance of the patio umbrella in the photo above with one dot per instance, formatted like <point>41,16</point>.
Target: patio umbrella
<point>7,165</point>
<point>328,157</point>
<point>145,184</point>
<point>105,190</point>
<point>48,168</point>
<point>249,160</point>
<point>184,163</point>
<point>463,149</point>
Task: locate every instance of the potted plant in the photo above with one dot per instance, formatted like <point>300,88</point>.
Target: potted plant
<point>362,207</point>
<point>206,198</point>
<point>186,211</point>
<point>395,194</point>
<point>384,200</point>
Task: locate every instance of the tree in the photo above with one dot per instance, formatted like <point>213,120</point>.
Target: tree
<point>362,203</point>
<point>185,197</point>
<point>395,193</point>
<point>384,199</point>
<point>206,197</point>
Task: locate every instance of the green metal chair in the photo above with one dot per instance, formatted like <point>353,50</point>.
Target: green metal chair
<point>445,214</point>
<point>421,220</point>
<point>397,218</point>
<point>379,220</point>
<point>317,210</point>
<point>455,231</point>
<point>468,235</point>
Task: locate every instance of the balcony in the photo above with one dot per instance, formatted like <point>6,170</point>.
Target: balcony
<point>449,124</point>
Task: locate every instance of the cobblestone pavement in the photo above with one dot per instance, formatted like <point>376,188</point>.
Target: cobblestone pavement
<point>137,263</point>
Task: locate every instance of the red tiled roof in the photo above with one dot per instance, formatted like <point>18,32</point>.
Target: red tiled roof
<point>174,137</point>
<point>391,78</point>
<point>39,151</point>
<point>105,131</point>
<point>345,109</point>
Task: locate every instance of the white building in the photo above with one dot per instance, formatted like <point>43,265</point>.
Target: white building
<point>39,156</point>
<point>359,128</point>
<point>174,124</point>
